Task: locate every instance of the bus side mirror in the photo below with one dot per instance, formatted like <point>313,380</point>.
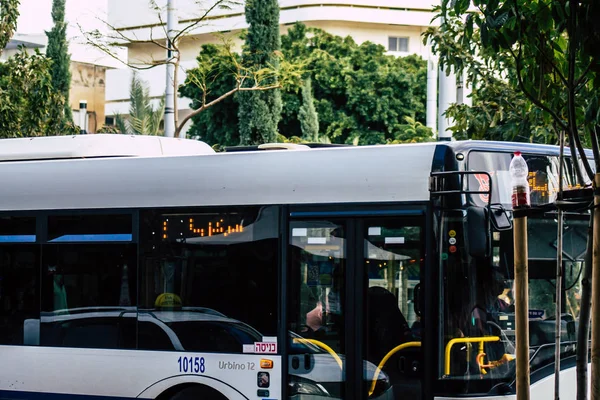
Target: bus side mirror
<point>478,232</point>
<point>500,219</point>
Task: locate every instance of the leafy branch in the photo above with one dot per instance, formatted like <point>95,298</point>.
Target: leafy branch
<point>246,78</point>
<point>168,43</point>
<point>9,14</point>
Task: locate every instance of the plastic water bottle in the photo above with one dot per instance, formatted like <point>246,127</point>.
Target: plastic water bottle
<point>520,186</point>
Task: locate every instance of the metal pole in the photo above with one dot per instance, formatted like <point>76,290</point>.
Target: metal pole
<point>447,96</point>
<point>432,88</point>
<point>559,272</point>
<point>170,89</point>
<point>595,359</point>
<point>557,337</point>
<point>82,117</point>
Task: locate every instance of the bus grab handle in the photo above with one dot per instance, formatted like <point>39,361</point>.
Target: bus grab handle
<point>324,347</point>
<point>481,340</point>
<point>386,358</point>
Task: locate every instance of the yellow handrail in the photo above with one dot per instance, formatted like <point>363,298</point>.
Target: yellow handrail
<point>386,358</point>
<point>324,347</point>
<point>481,340</point>
<point>493,364</point>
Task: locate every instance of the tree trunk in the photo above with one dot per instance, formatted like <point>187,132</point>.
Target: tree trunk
<point>583,331</point>
<point>595,379</point>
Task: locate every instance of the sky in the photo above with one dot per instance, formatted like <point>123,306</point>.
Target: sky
<point>35,18</point>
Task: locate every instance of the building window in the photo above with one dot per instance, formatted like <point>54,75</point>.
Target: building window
<point>109,121</point>
<point>398,44</point>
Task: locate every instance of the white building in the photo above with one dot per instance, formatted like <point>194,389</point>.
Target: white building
<point>395,24</point>
<point>29,42</point>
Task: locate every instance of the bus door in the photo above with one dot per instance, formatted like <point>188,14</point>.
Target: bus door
<point>394,255</point>
<point>354,327</point>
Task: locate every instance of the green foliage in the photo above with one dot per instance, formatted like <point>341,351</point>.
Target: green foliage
<point>547,52</point>
<point>109,129</point>
<point>217,124</point>
<point>58,52</point>
<point>260,111</point>
<point>360,92</point>
<point>500,111</point>
<point>29,105</point>
<point>412,132</point>
<point>307,115</point>
<point>9,14</point>
<point>218,76</point>
<point>143,118</point>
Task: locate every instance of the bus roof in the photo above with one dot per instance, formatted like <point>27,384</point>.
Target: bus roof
<point>173,173</point>
<point>99,145</point>
<point>496,146</point>
<point>324,175</point>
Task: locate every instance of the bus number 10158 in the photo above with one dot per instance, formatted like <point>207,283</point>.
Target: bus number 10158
<point>193,365</point>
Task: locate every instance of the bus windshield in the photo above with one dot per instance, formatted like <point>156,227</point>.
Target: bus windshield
<point>543,177</point>
<point>478,344</point>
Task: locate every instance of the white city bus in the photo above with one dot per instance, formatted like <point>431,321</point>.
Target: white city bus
<point>155,268</point>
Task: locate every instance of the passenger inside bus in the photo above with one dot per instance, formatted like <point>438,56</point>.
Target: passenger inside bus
<point>484,316</point>
<point>477,298</point>
<point>322,312</point>
<point>387,329</point>
<point>387,326</point>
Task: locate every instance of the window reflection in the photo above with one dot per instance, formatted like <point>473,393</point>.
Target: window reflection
<point>316,319</point>
<point>543,176</point>
<point>210,277</point>
<point>393,258</point>
<point>92,277</point>
<point>87,290</point>
<point>320,257</point>
<point>19,298</point>
<point>479,300</point>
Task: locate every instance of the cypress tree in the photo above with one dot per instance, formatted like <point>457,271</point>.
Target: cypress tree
<point>58,52</point>
<point>260,111</point>
<point>307,115</point>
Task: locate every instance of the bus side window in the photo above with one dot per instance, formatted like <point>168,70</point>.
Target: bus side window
<point>198,263</point>
<point>88,280</point>
<point>19,282</point>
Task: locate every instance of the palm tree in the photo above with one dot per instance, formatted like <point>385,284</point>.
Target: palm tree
<point>143,118</point>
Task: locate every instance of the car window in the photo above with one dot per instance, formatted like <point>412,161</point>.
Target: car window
<point>205,336</point>
<point>98,333</point>
<point>153,337</point>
